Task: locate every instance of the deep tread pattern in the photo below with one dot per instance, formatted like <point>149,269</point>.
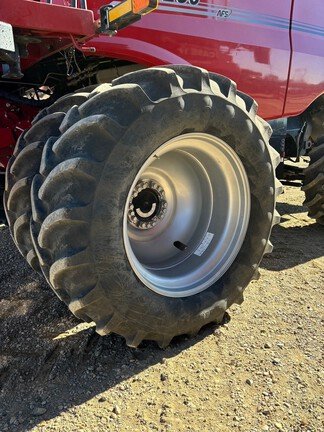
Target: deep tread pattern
<point>75,178</point>
<point>63,104</point>
<point>127,98</point>
<point>226,87</point>
<point>64,198</point>
<point>87,135</point>
<point>133,340</point>
<point>314,183</point>
<point>78,278</point>
<point>25,164</point>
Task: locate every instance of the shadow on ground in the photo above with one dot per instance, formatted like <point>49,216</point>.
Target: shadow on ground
<point>294,245</point>
<point>290,209</point>
<point>41,362</point>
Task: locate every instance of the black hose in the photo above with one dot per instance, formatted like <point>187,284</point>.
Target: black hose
<point>25,101</point>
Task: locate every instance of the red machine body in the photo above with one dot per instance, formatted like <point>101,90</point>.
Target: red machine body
<point>273,50</point>
<point>14,119</point>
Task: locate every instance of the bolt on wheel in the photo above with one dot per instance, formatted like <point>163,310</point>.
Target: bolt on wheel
<point>186,215</point>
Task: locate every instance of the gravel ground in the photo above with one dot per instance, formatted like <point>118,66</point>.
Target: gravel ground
<point>261,370</point>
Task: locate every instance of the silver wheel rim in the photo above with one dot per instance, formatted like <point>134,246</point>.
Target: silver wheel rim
<point>186,215</point>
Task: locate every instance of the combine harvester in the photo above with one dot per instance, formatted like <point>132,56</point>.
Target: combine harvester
<point>145,194</point>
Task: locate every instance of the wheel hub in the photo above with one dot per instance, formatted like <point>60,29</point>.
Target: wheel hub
<point>147,204</point>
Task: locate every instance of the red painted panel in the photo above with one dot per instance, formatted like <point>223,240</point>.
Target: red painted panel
<point>247,41</point>
<point>14,118</point>
<point>307,67</point>
<point>251,45</point>
<point>45,17</point>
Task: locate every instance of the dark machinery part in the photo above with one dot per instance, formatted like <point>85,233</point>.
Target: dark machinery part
<point>294,137</point>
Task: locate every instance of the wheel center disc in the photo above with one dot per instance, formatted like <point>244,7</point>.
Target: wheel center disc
<point>147,205</point>
<point>186,214</point>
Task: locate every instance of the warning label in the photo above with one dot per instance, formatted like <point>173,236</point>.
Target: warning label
<point>204,244</point>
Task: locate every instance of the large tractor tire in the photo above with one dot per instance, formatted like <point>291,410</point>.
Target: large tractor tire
<point>153,209</point>
<point>25,163</point>
<point>314,183</point>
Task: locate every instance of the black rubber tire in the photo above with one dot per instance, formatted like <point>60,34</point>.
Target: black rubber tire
<point>314,183</point>
<point>78,199</point>
<point>25,163</point>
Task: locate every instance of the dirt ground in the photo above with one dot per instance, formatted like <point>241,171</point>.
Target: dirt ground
<point>261,370</point>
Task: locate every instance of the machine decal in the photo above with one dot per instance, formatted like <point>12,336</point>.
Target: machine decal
<point>191,2</point>
<point>201,8</point>
<point>204,9</point>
